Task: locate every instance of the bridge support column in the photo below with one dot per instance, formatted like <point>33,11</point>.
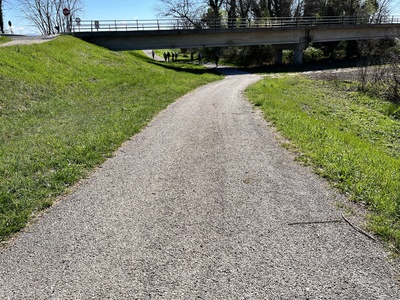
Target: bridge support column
<point>297,56</point>
<point>297,49</point>
<point>298,53</point>
<point>278,56</point>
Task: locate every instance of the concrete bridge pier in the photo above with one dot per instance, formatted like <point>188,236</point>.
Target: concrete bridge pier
<point>278,55</point>
<point>297,52</point>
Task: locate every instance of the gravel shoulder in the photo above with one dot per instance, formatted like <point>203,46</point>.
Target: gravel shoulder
<point>202,204</point>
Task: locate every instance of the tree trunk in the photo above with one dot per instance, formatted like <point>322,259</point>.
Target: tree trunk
<point>1,17</point>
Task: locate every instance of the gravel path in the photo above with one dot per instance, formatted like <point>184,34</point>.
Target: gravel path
<point>202,204</point>
<point>27,40</point>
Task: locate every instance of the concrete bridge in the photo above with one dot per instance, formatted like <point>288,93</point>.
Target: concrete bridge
<point>281,33</point>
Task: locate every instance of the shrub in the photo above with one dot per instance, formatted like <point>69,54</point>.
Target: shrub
<point>312,54</point>
<point>249,55</point>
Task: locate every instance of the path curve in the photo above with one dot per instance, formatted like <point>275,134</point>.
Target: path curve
<point>202,204</point>
<point>28,40</point>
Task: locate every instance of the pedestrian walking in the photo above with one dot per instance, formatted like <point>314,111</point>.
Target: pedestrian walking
<point>216,60</point>
<point>165,56</point>
<point>199,56</point>
<point>152,53</point>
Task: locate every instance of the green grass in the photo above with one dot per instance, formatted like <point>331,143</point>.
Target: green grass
<point>65,106</point>
<point>351,139</point>
<point>4,39</point>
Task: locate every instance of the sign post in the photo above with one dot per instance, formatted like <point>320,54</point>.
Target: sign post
<point>66,13</point>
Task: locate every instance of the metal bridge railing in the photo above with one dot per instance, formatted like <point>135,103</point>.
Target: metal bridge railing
<point>207,24</point>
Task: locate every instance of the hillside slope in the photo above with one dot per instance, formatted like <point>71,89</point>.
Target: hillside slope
<point>65,106</point>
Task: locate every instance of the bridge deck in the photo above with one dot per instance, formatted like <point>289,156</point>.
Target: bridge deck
<point>217,24</point>
<point>283,33</point>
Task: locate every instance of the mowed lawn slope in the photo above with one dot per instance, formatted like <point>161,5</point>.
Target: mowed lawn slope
<point>65,106</point>
<point>351,139</point>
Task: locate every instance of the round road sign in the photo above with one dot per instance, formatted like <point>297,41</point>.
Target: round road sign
<point>66,12</point>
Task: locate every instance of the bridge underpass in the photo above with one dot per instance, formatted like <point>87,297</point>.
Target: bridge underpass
<point>283,33</point>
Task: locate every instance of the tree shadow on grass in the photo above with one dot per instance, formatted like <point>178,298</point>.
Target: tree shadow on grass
<point>194,68</point>
<point>188,67</point>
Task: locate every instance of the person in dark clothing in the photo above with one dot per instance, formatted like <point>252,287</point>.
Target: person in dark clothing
<point>216,60</point>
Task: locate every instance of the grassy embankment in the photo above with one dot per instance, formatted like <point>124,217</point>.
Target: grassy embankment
<point>65,106</point>
<point>4,39</point>
<point>351,139</point>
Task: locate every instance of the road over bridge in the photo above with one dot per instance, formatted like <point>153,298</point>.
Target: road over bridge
<point>281,33</point>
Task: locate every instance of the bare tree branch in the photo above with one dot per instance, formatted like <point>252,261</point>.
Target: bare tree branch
<point>46,15</point>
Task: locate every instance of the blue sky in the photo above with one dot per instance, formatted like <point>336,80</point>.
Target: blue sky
<point>107,10</point>
<point>93,10</point>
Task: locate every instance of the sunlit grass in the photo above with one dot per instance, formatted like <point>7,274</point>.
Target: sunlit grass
<point>4,39</point>
<point>351,139</point>
<point>65,106</point>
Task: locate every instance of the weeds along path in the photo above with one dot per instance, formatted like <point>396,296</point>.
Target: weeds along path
<point>202,204</point>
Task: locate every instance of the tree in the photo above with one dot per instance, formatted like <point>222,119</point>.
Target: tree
<point>186,10</point>
<point>46,15</point>
<point>215,6</point>
<point>2,4</point>
<point>1,17</point>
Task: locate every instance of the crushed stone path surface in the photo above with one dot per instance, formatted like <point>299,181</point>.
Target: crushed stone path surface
<point>202,204</point>
<point>28,40</point>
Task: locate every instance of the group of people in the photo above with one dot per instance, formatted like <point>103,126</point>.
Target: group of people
<point>174,55</point>
<point>167,56</point>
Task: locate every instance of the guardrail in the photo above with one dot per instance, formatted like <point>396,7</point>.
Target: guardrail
<point>207,24</point>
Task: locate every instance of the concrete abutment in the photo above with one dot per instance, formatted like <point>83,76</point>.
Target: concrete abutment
<point>297,52</point>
